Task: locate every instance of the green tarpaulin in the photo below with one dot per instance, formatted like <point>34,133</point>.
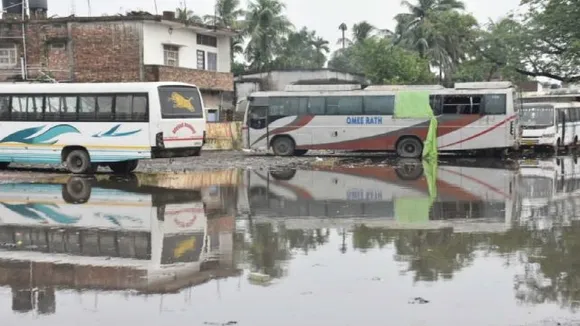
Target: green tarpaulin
<point>416,210</point>
<point>415,105</point>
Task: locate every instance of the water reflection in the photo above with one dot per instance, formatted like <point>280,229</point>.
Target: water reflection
<point>108,234</point>
<point>526,215</point>
<point>471,238</point>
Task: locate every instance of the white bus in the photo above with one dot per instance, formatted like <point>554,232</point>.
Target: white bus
<point>471,116</point>
<point>100,124</point>
<point>551,125</point>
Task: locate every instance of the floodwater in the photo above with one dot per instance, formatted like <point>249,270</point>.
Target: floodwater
<point>458,243</point>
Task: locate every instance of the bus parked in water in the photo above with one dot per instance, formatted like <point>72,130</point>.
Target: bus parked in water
<point>99,124</point>
<point>471,116</point>
<point>551,125</point>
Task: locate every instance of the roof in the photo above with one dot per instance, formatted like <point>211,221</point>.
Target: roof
<point>18,88</point>
<point>379,92</point>
<point>205,28</point>
<point>256,73</point>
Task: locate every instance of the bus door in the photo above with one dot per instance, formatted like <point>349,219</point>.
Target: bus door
<point>562,125</point>
<point>257,127</point>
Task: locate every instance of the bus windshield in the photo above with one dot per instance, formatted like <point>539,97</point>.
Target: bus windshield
<point>179,102</point>
<point>537,116</point>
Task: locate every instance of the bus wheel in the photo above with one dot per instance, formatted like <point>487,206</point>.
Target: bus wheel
<point>124,167</point>
<point>409,147</point>
<point>78,161</point>
<point>283,146</point>
<point>77,190</point>
<point>4,165</point>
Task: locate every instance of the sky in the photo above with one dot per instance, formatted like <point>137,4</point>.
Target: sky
<point>323,16</point>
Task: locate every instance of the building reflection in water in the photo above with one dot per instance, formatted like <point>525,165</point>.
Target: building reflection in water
<point>107,234</point>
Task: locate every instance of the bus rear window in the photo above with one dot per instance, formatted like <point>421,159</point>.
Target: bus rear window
<point>178,102</point>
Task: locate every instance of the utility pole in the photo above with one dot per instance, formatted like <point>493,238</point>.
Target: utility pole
<point>89,5</point>
<point>156,10</point>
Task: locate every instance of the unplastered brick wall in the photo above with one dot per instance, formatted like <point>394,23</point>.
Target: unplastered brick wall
<point>107,51</point>
<point>210,80</point>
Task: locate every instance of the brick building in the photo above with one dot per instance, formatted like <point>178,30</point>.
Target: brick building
<point>134,47</point>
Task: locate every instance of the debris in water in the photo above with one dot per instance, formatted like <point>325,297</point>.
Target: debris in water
<point>418,300</point>
<point>259,277</point>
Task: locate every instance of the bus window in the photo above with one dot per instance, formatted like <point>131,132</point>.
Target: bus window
<point>495,104</point>
<point>87,108</point>
<point>316,105</point>
<point>344,105</point>
<point>379,105</point>
<point>257,117</point>
<point>462,104</point>
<point>178,102</point>
<point>105,108</point>
<point>4,108</point>
<point>436,103</point>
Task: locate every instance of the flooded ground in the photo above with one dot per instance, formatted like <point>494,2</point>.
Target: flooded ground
<point>355,242</point>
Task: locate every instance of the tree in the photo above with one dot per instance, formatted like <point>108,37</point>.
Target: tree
<point>187,16</point>
<point>436,31</point>
<point>322,49</point>
<point>228,15</point>
<point>343,40</point>
<point>544,42</point>
<point>302,49</point>
<point>266,26</point>
<point>362,31</point>
<point>383,63</point>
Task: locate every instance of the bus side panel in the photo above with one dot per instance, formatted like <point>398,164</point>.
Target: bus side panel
<point>43,142</point>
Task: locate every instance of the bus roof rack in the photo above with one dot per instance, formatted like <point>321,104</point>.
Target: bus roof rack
<point>484,85</point>
<point>322,88</point>
<point>402,87</point>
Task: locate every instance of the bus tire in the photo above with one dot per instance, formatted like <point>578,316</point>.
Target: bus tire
<point>124,167</point>
<point>409,147</point>
<point>77,190</point>
<point>78,161</point>
<point>283,146</point>
<point>4,165</point>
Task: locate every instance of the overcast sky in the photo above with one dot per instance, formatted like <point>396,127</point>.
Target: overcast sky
<point>324,16</point>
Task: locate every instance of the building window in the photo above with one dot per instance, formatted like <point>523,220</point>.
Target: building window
<point>212,61</point>
<point>7,55</point>
<point>207,40</point>
<point>171,55</point>
<point>200,60</point>
<point>60,46</point>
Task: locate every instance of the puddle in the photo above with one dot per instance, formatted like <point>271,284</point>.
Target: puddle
<point>460,242</point>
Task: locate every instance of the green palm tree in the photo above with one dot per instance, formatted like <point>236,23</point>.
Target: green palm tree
<point>421,29</point>
<point>415,27</point>
<point>322,49</point>
<point>187,16</point>
<point>343,40</point>
<point>265,26</point>
<point>228,14</point>
<point>362,31</point>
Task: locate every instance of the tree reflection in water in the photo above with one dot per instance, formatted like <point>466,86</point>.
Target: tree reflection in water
<point>551,258</point>
<point>271,246</point>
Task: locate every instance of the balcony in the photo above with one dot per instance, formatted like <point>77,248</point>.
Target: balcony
<point>204,79</point>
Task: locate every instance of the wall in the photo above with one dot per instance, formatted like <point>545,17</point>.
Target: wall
<point>107,51</point>
<point>209,80</point>
<point>155,34</point>
<point>94,51</point>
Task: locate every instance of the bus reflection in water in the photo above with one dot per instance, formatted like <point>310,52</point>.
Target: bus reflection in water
<point>86,234</point>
